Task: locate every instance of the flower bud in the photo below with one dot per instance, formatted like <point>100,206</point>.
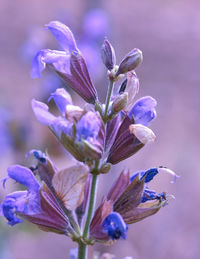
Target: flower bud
<point>105,168</point>
<point>144,134</point>
<point>120,102</point>
<point>108,55</point>
<point>130,61</point>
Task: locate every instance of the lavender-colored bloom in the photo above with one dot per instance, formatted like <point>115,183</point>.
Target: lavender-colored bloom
<point>133,134</point>
<point>23,202</point>
<point>62,98</point>
<point>143,110</point>
<point>68,64</point>
<point>87,130</point>
<point>63,35</point>
<point>46,205</point>
<point>128,201</point>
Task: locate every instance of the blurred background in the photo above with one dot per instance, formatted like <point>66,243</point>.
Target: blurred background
<point>168,33</point>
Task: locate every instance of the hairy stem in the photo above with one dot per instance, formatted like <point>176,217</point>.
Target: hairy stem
<point>109,94</point>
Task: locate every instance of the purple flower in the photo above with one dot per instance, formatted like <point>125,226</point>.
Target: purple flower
<point>132,132</point>
<point>128,201</point>
<point>47,204</point>
<point>68,64</point>
<point>143,111</point>
<point>81,132</point>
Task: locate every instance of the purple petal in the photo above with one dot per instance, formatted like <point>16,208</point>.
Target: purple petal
<point>59,59</point>
<point>41,112</point>
<point>88,127</point>
<point>63,35</point>
<point>9,205</point>
<point>62,98</point>
<point>60,125</point>
<point>22,203</point>
<point>24,176</point>
<point>143,110</point>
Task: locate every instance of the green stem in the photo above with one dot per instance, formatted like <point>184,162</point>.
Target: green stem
<point>109,94</point>
<point>82,249</point>
<point>91,205</point>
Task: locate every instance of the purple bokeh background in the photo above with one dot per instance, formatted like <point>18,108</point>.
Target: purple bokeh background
<point>168,33</point>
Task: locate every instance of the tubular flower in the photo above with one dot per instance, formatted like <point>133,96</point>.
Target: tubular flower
<point>69,64</point>
<point>48,204</point>
<point>131,131</point>
<point>129,201</point>
<point>81,132</point>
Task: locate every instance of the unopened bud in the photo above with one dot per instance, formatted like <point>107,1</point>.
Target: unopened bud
<point>120,102</point>
<point>73,113</point>
<point>108,55</point>
<point>130,61</point>
<point>144,134</point>
<point>105,168</point>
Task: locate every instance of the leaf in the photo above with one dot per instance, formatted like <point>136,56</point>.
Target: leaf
<point>69,185</point>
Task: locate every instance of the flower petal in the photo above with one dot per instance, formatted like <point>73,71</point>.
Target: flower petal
<point>41,111</point>
<point>88,127</point>
<point>61,98</point>
<point>24,176</point>
<point>143,110</point>
<point>114,226</point>
<point>63,35</point>
<point>13,203</point>
<point>59,59</point>
<point>144,134</point>
<point>69,185</point>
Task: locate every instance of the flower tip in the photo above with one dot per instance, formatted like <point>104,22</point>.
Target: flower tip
<point>169,171</point>
<point>39,155</point>
<point>144,134</point>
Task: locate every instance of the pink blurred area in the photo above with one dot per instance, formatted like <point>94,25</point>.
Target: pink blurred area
<point>168,33</point>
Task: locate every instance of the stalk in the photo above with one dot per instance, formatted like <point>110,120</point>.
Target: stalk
<point>82,249</point>
<point>109,94</point>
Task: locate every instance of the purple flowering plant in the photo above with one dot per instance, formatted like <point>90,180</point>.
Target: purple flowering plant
<point>97,136</point>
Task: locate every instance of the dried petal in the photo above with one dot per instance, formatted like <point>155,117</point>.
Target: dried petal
<point>69,185</point>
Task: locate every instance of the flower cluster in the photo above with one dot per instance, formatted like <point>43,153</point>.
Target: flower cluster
<point>97,136</point>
